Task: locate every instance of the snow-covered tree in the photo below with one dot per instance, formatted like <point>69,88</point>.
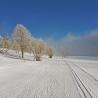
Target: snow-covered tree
<point>38,49</point>
<point>21,35</point>
<point>50,52</point>
<point>16,47</point>
<point>4,44</point>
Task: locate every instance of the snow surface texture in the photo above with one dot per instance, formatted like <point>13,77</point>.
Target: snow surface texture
<point>50,78</point>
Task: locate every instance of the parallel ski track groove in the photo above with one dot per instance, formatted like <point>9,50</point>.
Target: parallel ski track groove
<point>77,79</point>
<point>86,72</point>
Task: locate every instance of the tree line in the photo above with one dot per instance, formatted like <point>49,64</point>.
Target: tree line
<point>23,42</point>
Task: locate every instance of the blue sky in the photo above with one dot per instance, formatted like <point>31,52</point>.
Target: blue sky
<point>49,18</point>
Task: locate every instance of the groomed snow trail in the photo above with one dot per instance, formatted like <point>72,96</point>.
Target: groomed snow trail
<point>56,78</point>
<point>87,82</point>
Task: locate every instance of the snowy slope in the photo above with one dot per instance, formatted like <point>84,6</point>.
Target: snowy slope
<point>50,78</point>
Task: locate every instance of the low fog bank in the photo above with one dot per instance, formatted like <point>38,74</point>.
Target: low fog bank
<point>72,45</point>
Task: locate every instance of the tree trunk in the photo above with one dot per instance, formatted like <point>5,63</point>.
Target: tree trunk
<point>22,53</point>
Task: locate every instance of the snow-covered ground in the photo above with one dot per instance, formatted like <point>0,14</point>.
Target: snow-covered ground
<point>49,78</point>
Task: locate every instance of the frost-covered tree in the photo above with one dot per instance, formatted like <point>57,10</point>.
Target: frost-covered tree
<point>50,52</point>
<point>21,35</point>
<point>4,44</point>
<point>16,47</point>
<point>38,49</point>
